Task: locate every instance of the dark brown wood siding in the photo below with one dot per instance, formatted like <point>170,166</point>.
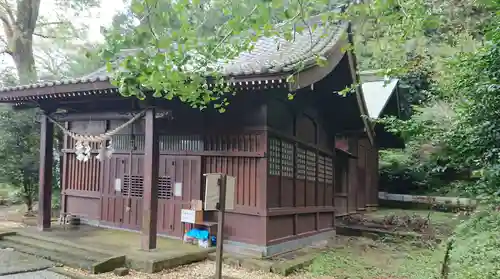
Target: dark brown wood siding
<point>300,174</point>
<point>367,193</point>
<point>342,182</point>
<point>362,177</point>
<point>373,172</point>
<point>208,142</point>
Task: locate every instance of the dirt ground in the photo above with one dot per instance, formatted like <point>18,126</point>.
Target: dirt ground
<point>203,270</point>
<point>11,217</point>
<point>351,257</point>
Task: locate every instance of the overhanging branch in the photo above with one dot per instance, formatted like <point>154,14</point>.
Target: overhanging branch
<point>42,24</point>
<point>44,36</point>
<point>5,51</point>
<point>6,24</point>
<point>8,10</point>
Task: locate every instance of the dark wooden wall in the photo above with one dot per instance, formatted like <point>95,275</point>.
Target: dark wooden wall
<point>361,188</point>
<point>192,143</point>
<point>282,153</point>
<point>371,174</point>
<point>300,173</point>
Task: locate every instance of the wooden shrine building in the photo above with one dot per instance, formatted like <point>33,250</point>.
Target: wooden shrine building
<point>356,188</point>
<point>282,152</point>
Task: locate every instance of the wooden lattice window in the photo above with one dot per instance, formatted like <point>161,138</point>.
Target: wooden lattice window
<point>181,143</point>
<point>274,156</point>
<point>165,188</point>
<point>311,166</point>
<point>286,159</point>
<point>301,163</point>
<point>235,143</point>
<point>128,142</point>
<point>328,170</point>
<point>166,142</point>
<point>133,186</point>
<point>321,168</point>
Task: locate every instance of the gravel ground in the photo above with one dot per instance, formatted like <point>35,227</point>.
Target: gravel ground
<point>202,270</point>
<point>45,274</point>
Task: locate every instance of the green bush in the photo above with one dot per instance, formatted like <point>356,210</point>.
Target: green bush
<point>406,172</point>
<point>476,250</point>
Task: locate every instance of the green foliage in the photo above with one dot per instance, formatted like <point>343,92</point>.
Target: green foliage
<point>390,32</point>
<point>62,60</point>
<point>183,42</point>
<point>475,252</point>
<point>456,130</point>
<point>423,166</point>
<point>19,151</point>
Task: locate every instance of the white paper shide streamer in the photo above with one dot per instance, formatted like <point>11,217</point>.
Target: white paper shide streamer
<point>83,148</point>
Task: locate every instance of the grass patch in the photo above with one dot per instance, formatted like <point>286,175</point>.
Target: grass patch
<point>442,222</point>
<point>436,216</point>
<point>361,258</point>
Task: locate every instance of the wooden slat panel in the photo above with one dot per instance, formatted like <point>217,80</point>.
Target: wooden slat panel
<point>352,185</point>
<point>83,176</point>
<point>362,179</point>
<point>245,171</point>
<point>249,142</point>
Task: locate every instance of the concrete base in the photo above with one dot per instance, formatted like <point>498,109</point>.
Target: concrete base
<point>272,250</point>
<point>251,250</point>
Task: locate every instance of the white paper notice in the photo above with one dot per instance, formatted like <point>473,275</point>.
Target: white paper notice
<point>118,185</point>
<point>188,216</point>
<point>178,189</point>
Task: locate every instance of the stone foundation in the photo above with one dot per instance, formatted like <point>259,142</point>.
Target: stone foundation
<point>252,250</point>
<point>271,250</point>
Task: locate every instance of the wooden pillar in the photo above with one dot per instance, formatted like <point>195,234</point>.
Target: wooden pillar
<point>45,177</point>
<point>150,198</point>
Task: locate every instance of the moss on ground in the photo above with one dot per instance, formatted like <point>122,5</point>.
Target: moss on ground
<point>362,258</point>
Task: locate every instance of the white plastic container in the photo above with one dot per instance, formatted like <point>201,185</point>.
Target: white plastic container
<point>204,243</point>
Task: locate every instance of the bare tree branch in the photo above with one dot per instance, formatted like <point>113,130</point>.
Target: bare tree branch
<point>8,10</point>
<point>5,51</point>
<point>44,36</point>
<point>7,25</point>
<point>42,24</point>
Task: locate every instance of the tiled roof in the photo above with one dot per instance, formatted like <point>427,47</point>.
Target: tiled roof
<point>270,57</point>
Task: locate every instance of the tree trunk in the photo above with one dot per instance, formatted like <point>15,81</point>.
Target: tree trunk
<point>28,197</point>
<point>25,61</point>
<point>28,200</point>
<point>19,32</point>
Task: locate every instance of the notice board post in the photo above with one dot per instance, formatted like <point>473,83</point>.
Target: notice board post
<point>220,227</point>
<point>219,195</point>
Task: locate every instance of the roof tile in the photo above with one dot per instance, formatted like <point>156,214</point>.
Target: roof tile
<point>272,56</point>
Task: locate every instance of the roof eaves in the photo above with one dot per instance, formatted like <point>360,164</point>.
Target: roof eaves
<point>276,73</point>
